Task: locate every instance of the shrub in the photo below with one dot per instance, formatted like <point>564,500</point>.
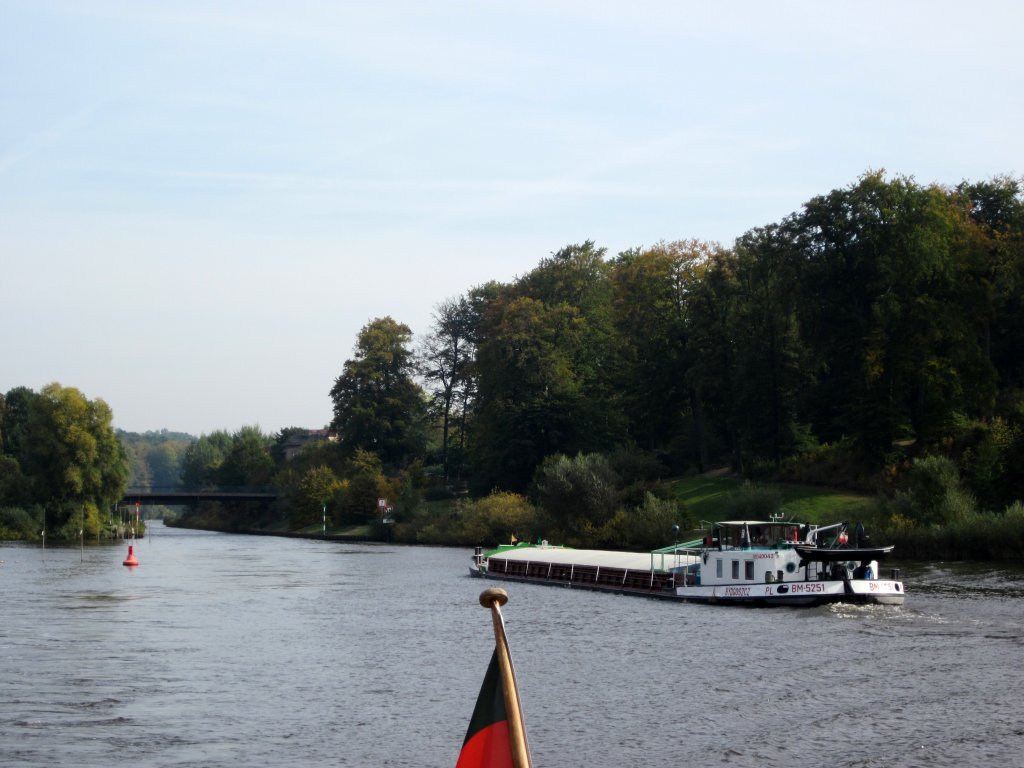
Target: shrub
<point>318,486</point>
<point>488,521</point>
<point>366,483</point>
<point>16,523</point>
<point>578,495</point>
<point>936,495</point>
<point>647,526</point>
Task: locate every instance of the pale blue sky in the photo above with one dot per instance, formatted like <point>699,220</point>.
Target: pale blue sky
<point>202,202</point>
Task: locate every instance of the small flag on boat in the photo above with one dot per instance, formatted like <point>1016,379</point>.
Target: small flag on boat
<point>496,737</point>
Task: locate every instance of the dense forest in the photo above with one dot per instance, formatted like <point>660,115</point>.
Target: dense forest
<point>872,340</point>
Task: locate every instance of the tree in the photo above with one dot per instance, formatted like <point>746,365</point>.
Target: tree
<point>651,308</point>
<point>712,308</point>
<point>995,272</point>
<point>203,458</point>
<point>74,460</point>
<point>378,406</point>
<point>577,278</point>
<point>248,460</point>
<point>530,392</point>
<point>14,420</point>
<point>769,354</point>
<point>881,308</point>
<point>318,487</point>
<point>366,484</point>
<point>579,495</point>
<point>446,356</point>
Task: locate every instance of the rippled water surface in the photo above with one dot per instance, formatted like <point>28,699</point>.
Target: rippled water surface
<point>226,650</point>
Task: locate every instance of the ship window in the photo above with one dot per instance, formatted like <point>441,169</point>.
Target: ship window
<point>749,570</point>
<point>735,569</point>
<point>718,569</point>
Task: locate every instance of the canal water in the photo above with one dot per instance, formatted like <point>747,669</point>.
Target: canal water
<point>223,650</point>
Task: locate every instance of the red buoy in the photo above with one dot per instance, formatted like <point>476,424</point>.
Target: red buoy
<point>130,560</point>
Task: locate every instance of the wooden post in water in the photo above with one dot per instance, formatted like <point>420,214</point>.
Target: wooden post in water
<point>494,598</point>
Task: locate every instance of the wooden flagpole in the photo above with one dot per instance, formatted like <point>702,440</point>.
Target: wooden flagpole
<point>494,598</point>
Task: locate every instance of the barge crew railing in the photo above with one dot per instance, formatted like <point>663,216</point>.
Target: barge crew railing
<point>584,575</point>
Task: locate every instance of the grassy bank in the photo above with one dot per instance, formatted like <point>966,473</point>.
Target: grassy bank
<point>713,498</point>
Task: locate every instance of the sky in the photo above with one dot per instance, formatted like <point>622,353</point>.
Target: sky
<point>201,202</point>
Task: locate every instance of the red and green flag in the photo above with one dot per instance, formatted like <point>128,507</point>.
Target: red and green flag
<point>487,743</point>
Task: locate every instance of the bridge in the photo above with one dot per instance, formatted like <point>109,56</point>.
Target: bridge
<point>178,497</point>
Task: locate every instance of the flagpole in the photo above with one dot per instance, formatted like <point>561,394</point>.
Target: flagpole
<point>494,598</point>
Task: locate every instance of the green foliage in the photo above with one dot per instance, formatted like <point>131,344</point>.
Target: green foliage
<point>366,484</point>
<point>446,358</point>
<point>203,459</point>
<point>648,526</point>
<point>491,520</point>
<point>888,312</point>
<point>59,452</point>
<point>232,460</point>
<point>17,523</point>
<point>545,367</point>
<point>983,451</point>
<point>530,391</point>
<point>973,535</point>
<point>378,406</point>
<point>155,458</point>
<point>578,495</point>
<point>248,461</point>
<point>632,465</point>
<point>319,486</point>
<point>881,322</point>
<point>74,521</point>
<point>934,494</point>
<point>14,486</point>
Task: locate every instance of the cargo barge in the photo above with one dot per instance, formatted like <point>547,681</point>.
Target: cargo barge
<point>745,562</point>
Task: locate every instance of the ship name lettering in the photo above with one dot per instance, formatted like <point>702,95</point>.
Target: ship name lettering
<point>810,586</point>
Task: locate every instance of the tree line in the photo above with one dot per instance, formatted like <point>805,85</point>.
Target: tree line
<point>873,339</point>
<point>880,316</point>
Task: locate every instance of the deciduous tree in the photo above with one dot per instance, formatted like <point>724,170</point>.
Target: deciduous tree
<point>378,406</point>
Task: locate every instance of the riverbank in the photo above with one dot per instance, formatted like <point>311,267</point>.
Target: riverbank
<point>351,535</point>
<point>700,499</point>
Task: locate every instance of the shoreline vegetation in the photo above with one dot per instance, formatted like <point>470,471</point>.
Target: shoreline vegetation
<point>716,496</point>
<point>871,342</point>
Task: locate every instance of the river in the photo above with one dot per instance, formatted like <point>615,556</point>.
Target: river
<point>222,650</point>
